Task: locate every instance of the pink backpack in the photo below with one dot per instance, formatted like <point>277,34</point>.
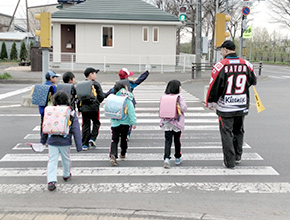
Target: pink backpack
<point>56,120</point>
<point>169,107</point>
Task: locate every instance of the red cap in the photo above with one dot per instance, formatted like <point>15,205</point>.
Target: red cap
<point>125,73</point>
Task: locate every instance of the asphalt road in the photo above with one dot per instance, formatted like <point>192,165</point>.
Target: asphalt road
<point>199,189</point>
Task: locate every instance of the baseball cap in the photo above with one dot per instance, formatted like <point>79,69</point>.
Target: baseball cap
<point>51,73</point>
<point>90,70</point>
<point>228,44</point>
<point>125,73</point>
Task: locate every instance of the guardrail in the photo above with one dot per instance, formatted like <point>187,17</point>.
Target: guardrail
<point>208,66</point>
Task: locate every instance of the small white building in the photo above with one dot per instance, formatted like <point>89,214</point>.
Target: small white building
<point>110,34</point>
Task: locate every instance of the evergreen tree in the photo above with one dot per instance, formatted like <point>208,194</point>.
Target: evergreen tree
<point>3,54</point>
<point>13,52</point>
<point>23,51</point>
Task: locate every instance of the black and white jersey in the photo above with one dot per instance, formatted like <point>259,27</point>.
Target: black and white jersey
<point>229,86</point>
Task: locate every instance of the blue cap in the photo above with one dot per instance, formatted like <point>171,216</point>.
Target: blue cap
<point>51,73</point>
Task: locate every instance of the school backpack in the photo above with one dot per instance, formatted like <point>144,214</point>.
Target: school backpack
<point>116,107</point>
<point>66,87</point>
<point>56,120</point>
<point>169,107</point>
<point>86,90</point>
<point>41,94</point>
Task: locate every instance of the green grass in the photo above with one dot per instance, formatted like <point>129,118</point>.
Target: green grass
<point>5,76</point>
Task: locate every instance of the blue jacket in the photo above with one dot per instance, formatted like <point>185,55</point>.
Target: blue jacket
<point>60,140</point>
<point>41,108</point>
<point>133,84</point>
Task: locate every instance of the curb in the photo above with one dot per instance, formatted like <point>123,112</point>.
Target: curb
<point>65,213</point>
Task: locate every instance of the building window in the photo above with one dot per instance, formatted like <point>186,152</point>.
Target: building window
<point>107,36</point>
<point>145,34</point>
<point>155,34</point>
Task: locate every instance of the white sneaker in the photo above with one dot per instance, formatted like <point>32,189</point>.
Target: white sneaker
<point>178,161</point>
<point>166,163</point>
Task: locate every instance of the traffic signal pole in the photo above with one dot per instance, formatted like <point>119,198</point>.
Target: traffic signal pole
<point>45,39</point>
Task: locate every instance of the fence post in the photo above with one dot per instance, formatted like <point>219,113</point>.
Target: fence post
<point>260,68</point>
<point>192,71</point>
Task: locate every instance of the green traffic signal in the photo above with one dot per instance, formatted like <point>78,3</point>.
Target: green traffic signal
<point>182,17</point>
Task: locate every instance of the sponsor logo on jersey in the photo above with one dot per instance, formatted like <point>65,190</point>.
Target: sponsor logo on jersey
<point>234,61</point>
<point>218,66</point>
<point>235,99</point>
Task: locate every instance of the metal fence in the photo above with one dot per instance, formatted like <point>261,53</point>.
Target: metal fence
<point>113,63</point>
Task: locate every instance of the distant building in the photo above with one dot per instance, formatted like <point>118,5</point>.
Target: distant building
<point>110,34</point>
<point>18,38</point>
<point>4,23</point>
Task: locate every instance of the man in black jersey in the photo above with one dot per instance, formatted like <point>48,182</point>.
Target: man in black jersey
<point>229,86</point>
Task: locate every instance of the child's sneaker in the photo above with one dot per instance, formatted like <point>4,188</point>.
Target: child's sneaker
<point>85,147</point>
<point>166,163</point>
<point>92,143</point>
<point>51,186</point>
<point>122,157</point>
<point>178,160</point>
<point>113,160</point>
<point>67,179</point>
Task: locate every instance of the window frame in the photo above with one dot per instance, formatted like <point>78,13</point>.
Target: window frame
<point>148,34</point>
<point>153,32</point>
<point>102,34</point>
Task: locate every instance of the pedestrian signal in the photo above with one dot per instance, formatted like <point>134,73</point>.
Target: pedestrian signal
<point>45,28</point>
<point>182,13</point>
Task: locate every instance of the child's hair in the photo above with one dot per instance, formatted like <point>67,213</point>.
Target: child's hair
<point>173,87</point>
<point>67,76</point>
<point>60,98</point>
<point>119,86</point>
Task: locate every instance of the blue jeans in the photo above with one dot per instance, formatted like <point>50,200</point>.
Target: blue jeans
<point>52,165</point>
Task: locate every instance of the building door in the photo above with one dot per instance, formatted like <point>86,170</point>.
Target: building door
<point>68,44</point>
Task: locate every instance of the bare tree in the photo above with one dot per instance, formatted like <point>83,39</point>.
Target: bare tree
<point>280,11</point>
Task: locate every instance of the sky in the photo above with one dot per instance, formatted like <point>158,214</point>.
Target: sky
<point>259,13</point>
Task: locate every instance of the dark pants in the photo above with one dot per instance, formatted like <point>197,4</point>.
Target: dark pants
<point>168,143</point>
<point>87,134</point>
<point>116,132</point>
<point>43,137</point>
<point>232,135</point>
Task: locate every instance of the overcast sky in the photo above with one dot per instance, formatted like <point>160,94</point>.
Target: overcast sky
<point>259,13</point>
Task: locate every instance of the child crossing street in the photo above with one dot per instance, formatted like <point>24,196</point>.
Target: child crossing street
<point>173,125</point>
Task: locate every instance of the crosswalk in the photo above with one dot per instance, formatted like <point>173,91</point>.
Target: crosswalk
<point>201,149</point>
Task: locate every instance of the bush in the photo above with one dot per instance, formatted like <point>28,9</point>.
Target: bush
<point>13,53</point>
<point>3,54</point>
<point>23,52</point>
<point>5,76</point>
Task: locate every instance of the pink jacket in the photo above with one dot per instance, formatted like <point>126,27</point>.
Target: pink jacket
<point>178,123</point>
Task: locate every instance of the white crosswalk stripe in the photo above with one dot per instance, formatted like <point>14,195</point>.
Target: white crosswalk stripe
<point>201,144</point>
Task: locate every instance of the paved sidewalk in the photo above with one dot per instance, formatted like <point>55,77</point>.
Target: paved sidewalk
<point>23,74</point>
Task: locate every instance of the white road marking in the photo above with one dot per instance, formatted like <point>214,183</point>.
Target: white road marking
<point>129,157</point>
<point>10,106</point>
<point>149,146</point>
<point>145,171</point>
<point>16,92</point>
<point>156,127</point>
<point>142,188</point>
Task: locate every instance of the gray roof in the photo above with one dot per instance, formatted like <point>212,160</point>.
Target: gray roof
<point>115,10</point>
<point>17,36</point>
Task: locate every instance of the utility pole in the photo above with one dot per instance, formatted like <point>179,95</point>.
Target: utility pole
<point>27,17</point>
<point>198,39</point>
<point>9,26</point>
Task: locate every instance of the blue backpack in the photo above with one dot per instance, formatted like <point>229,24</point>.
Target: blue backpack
<point>116,107</point>
<point>41,94</point>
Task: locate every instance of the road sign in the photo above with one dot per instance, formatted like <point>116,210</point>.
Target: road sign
<point>246,10</point>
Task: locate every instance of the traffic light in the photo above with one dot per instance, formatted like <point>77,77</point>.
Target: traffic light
<point>182,13</point>
<point>45,28</point>
<point>220,28</point>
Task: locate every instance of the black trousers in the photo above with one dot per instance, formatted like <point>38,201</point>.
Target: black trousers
<point>43,137</point>
<point>168,143</point>
<point>232,136</point>
<point>87,134</point>
<point>116,132</point>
